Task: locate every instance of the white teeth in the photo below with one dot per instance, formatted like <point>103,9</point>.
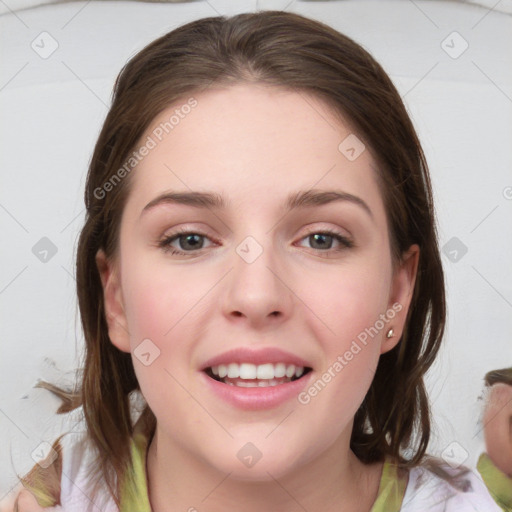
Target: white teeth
<point>249,371</point>
<point>265,371</point>
<point>233,371</point>
<point>279,370</point>
<point>261,384</point>
<point>247,384</point>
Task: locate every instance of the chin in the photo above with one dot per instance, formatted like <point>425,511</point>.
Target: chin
<point>263,469</point>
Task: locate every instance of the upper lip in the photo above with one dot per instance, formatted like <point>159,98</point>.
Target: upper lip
<point>260,356</point>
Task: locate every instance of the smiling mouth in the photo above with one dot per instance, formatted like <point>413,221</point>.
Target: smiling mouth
<point>251,376</point>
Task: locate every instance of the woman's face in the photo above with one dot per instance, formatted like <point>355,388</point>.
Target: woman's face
<point>261,285</point>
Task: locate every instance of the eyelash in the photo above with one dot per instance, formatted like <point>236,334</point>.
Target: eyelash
<point>164,244</point>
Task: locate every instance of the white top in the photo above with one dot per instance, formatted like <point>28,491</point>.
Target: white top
<point>427,491</point>
<point>75,492</point>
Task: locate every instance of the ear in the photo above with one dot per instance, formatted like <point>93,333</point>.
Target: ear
<point>498,427</point>
<point>113,300</point>
<point>402,288</point>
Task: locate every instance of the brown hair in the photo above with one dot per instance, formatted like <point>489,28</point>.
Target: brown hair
<point>503,376</point>
<point>289,51</point>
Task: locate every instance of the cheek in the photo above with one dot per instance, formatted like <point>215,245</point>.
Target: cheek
<point>166,306</point>
<point>158,310</point>
<point>157,299</point>
<point>352,305</point>
<point>150,306</point>
<point>347,300</point>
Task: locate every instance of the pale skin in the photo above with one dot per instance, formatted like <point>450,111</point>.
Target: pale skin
<point>255,145</point>
<point>497,422</point>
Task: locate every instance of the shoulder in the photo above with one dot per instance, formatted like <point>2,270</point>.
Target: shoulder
<point>435,486</point>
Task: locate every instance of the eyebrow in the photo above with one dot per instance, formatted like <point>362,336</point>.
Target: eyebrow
<point>300,199</point>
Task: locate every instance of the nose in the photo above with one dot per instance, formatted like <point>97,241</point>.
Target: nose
<point>258,292</point>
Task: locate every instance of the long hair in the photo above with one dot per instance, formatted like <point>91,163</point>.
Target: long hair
<point>301,55</point>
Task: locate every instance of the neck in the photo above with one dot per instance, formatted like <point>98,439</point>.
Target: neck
<point>334,481</point>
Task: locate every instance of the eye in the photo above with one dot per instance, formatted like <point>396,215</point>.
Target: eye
<point>323,240</point>
<point>191,241</point>
<point>188,242</point>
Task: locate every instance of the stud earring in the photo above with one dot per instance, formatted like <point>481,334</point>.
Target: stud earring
<point>390,333</point>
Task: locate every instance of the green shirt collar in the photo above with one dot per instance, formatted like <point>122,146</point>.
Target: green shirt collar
<point>391,489</point>
<point>497,482</point>
<point>134,490</point>
<point>135,498</point>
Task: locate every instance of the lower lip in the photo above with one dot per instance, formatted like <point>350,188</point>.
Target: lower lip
<point>257,398</point>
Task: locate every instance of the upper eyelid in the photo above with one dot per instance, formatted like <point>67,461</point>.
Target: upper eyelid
<point>185,231</point>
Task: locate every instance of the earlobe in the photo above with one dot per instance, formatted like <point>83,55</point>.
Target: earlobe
<point>402,290</point>
<point>113,301</point>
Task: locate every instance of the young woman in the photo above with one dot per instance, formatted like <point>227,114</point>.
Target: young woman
<point>259,262</point>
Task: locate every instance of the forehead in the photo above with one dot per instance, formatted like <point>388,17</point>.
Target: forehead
<point>247,140</point>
